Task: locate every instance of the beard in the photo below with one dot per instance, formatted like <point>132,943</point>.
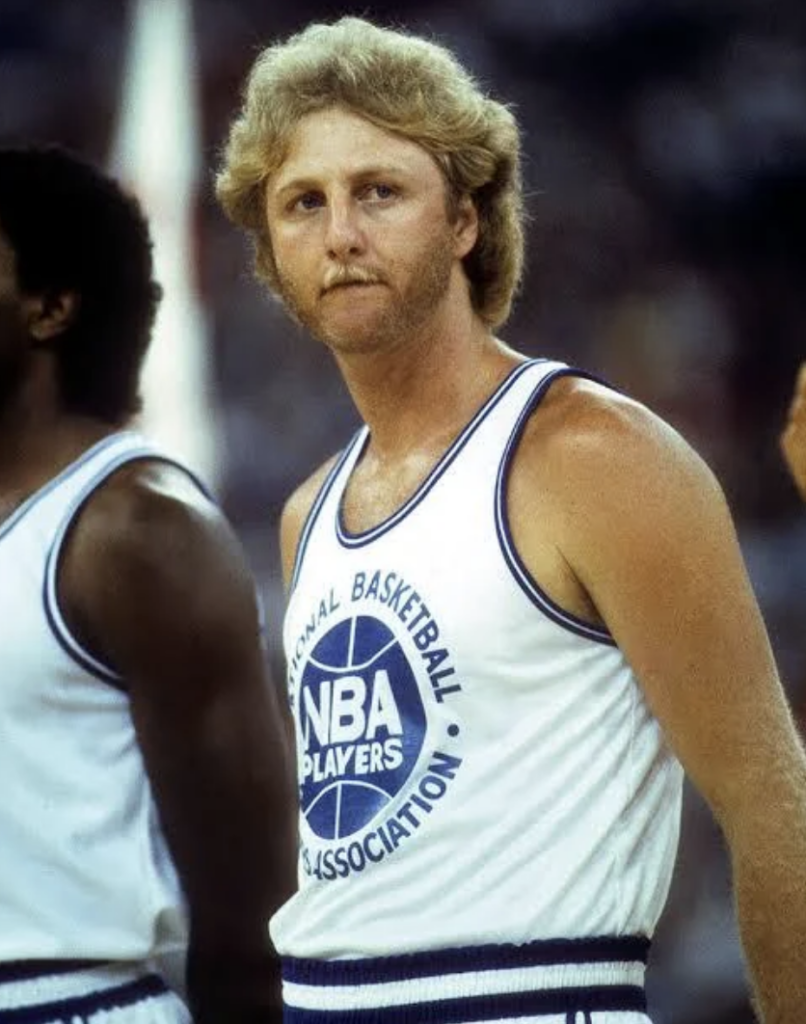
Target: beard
<point>397,313</point>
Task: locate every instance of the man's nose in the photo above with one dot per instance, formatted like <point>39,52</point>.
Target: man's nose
<point>344,234</point>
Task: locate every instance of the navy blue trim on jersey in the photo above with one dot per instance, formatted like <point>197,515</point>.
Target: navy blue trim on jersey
<point>316,508</point>
<point>76,654</point>
<point>464,959</point>
<point>68,643</point>
<point>83,1007</point>
<point>525,580</point>
<point>357,540</point>
<point>510,1006</point>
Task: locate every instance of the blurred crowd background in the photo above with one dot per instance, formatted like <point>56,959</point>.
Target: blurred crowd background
<point>665,163</point>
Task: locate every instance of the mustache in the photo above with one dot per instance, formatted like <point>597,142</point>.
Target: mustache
<point>341,275</point>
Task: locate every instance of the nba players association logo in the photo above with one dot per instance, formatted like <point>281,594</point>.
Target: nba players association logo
<point>362,723</point>
<point>373,685</point>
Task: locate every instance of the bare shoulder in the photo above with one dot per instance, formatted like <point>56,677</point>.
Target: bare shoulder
<point>586,420</point>
<point>151,548</point>
<point>592,448</point>
<point>601,492</point>
<point>793,437</point>
<point>296,511</point>
<point>151,514</point>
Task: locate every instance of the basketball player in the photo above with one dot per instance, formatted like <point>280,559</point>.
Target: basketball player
<point>517,606</point>
<point>793,438</point>
<point>144,765</point>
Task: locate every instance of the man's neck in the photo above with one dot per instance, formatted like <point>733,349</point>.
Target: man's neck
<point>34,450</point>
<point>420,394</point>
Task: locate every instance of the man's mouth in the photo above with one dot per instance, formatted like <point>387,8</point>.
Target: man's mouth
<point>349,279</point>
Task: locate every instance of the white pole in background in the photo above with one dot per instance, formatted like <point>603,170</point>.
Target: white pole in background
<point>157,153</point>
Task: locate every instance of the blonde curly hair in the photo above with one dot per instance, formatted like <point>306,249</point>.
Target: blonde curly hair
<point>404,84</point>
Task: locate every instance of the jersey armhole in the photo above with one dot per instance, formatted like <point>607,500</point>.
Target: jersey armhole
<point>523,577</point>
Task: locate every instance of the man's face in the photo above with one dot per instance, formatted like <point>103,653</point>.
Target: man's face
<point>364,247</point>
<point>14,337</point>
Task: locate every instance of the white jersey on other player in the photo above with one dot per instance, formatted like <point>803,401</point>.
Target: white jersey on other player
<point>479,772</point>
<point>84,869</point>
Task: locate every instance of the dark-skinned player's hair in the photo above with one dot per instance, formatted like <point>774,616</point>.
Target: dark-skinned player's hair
<point>74,228</point>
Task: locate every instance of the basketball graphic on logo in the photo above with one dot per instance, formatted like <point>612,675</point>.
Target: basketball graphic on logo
<point>361,726</point>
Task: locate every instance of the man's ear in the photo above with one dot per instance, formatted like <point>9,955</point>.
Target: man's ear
<point>466,226</point>
<point>50,314</point>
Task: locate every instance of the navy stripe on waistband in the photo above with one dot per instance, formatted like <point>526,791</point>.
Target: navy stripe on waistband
<point>404,967</point>
<point>22,970</point>
<point>499,1007</point>
<point>83,1006</point>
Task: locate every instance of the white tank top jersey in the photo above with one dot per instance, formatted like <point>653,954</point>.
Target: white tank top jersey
<point>84,868</point>
<point>489,812</point>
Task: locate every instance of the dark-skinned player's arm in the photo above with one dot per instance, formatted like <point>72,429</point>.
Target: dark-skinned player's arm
<point>793,437</point>
<point>644,526</point>
<point>155,581</point>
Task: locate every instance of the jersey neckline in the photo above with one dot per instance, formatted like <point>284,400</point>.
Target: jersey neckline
<point>359,444</point>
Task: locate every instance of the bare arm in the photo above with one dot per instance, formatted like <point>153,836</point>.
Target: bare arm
<point>793,438</point>
<point>648,545</point>
<point>155,581</point>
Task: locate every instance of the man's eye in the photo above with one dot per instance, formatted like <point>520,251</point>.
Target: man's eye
<point>379,191</point>
<point>307,201</point>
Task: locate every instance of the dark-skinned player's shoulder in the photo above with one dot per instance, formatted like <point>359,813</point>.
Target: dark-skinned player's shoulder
<point>151,548</point>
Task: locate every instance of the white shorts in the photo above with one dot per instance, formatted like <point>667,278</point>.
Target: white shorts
<point>563,981</point>
<point>74,992</point>
<point>587,1017</point>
